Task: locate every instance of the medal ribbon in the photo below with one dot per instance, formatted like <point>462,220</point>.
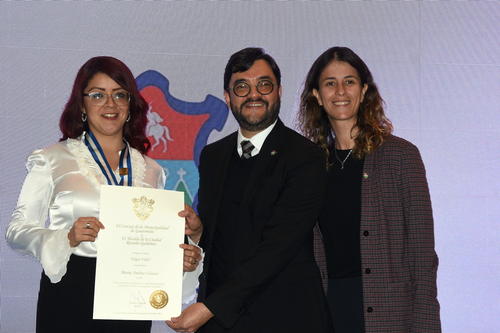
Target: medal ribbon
<point>101,160</point>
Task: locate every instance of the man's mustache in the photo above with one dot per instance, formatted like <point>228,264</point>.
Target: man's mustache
<point>251,100</point>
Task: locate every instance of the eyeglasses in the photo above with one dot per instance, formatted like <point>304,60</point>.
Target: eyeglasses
<point>121,98</point>
<point>264,87</point>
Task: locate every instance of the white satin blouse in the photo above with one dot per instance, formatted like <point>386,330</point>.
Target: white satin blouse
<point>63,184</point>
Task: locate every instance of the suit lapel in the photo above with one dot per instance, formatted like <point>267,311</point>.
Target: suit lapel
<point>222,164</point>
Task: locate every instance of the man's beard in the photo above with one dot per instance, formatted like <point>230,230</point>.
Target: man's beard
<point>269,117</point>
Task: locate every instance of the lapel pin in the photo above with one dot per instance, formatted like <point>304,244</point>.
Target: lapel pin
<point>273,152</point>
<point>365,175</point>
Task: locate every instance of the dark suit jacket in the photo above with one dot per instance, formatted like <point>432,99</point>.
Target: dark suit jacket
<point>275,286</point>
<point>398,261</point>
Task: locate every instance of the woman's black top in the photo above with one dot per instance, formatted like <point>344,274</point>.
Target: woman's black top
<point>341,214</point>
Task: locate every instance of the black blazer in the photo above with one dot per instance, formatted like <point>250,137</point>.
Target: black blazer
<point>275,286</point>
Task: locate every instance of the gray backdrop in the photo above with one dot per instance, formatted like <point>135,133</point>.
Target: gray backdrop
<point>436,63</point>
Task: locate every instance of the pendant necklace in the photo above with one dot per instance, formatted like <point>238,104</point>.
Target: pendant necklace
<point>338,158</point>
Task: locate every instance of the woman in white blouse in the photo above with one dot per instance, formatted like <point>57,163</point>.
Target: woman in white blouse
<point>103,142</point>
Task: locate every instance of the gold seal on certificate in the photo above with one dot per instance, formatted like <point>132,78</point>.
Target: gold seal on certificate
<point>158,299</point>
<point>143,207</point>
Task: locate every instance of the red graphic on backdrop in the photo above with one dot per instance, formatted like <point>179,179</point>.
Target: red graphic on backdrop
<point>166,126</point>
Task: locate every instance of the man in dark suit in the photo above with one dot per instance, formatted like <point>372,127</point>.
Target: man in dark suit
<point>261,189</point>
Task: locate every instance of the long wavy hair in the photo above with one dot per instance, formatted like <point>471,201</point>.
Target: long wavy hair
<point>371,124</point>
<point>134,130</point>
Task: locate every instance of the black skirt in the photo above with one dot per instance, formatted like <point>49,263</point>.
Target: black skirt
<point>67,306</point>
<point>345,298</point>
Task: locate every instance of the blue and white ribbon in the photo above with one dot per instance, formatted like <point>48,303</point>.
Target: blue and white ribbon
<point>98,154</point>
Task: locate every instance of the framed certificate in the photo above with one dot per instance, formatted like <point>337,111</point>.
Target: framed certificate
<point>139,261</point>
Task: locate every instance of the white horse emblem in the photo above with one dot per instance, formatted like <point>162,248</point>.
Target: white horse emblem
<point>154,128</point>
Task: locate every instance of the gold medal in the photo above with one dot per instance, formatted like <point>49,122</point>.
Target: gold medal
<point>158,299</point>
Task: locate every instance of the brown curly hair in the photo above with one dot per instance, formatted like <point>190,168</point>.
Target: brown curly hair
<point>372,125</point>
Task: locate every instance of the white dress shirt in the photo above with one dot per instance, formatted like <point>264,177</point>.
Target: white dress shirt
<point>257,140</point>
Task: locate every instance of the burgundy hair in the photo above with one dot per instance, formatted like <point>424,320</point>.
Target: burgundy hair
<point>134,131</point>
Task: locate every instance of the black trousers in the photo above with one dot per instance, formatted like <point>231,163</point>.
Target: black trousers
<point>345,299</point>
<point>67,306</point>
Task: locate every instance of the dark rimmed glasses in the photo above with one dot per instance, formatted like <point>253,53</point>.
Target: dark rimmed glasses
<point>121,98</point>
<point>264,87</point>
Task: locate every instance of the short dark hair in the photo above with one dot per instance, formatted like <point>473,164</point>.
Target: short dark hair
<point>134,130</point>
<point>242,60</point>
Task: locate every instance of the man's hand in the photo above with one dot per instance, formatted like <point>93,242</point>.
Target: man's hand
<point>191,319</point>
<point>193,227</point>
<point>192,257</point>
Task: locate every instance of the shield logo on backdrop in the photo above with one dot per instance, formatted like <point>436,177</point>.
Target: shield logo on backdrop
<point>178,131</point>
